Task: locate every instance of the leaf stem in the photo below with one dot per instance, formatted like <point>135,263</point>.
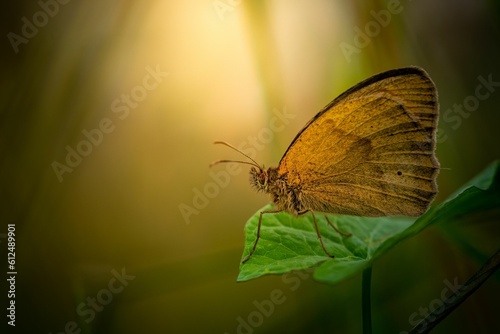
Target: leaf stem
<point>366,300</point>
<point>459,296</point>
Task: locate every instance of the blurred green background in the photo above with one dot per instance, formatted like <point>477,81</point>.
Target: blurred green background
<point>153,84</point>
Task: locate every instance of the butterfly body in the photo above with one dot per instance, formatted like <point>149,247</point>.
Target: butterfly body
<point>369,152</point>
<point>285,196</point>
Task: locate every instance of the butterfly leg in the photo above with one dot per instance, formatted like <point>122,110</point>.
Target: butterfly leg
<point>317,232</point>
<point>336,229</point>
<point>258,234</point>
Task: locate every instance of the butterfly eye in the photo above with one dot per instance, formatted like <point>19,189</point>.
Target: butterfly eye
<point>262,179</point>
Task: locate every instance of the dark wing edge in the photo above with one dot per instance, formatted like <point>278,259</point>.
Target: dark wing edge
<point>377,77</point>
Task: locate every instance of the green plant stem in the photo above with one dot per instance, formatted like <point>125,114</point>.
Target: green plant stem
<point>459,296</point>
<point>366,300</point>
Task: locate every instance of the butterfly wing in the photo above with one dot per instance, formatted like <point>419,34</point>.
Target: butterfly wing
<point>370,152</point>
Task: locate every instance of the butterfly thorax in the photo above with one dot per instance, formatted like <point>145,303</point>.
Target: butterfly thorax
<point>284,196</point>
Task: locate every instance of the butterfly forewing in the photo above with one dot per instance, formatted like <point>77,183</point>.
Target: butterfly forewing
<point>370,152</point>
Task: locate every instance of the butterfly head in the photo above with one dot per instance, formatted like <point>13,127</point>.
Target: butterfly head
<point>259,179</point>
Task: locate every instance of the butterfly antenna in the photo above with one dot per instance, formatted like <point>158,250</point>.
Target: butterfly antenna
<point>237,161</point>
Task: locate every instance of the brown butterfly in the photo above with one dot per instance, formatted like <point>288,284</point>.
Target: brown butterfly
<point>369,152</point>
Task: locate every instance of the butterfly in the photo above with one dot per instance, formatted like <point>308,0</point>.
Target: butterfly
<point>369,152</point>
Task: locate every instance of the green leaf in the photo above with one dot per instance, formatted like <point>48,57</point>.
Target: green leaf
<point>290,243</point>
